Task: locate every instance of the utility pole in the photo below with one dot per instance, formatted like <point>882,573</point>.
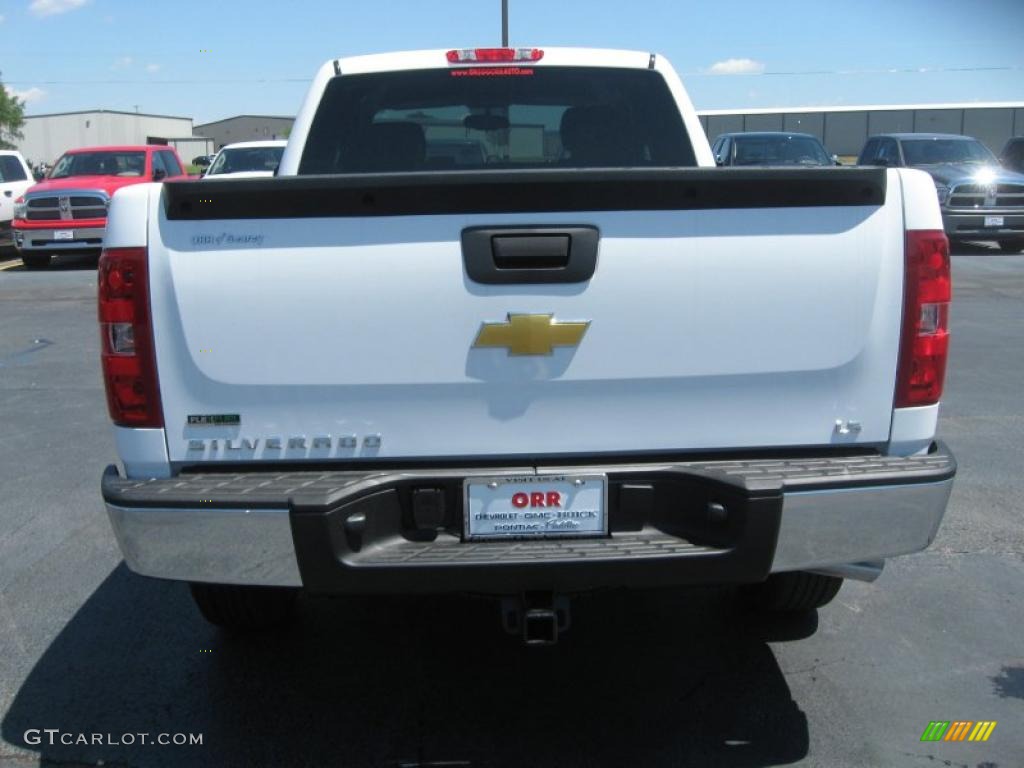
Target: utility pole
<point>504,23</point>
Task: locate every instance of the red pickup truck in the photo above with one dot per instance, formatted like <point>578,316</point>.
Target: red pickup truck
<point>67,211</point>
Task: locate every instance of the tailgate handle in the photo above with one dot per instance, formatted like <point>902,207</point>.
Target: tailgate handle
<point>530,251</point>
<point>530,254</point>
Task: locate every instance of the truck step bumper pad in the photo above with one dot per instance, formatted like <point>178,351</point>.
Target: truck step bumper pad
<point>352,531</point>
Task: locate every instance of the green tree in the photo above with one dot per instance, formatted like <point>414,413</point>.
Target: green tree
<point>12,117</point>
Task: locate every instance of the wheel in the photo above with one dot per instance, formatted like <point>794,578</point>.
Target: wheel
<point>35,260</point>
<point>1012,246</point>
<point>242,608</point>
<point>794,592</point>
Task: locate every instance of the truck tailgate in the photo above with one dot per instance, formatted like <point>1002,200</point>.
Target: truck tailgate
<point>335,317</point>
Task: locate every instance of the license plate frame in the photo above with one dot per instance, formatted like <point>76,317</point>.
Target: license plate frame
<point>995,221</point>
<point>530,521</point>
<point>64,234</point>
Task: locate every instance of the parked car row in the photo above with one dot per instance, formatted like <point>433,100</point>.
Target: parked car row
<point>981,197</point>
<point>66,212</point>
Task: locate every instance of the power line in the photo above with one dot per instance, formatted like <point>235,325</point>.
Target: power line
<point>162,82</point>
<point>885,71</point>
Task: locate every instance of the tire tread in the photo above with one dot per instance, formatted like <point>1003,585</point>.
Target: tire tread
<point>242,608</point>
<point>793,592</point>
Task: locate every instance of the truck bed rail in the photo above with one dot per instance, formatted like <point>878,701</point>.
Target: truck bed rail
<point>522,191</point>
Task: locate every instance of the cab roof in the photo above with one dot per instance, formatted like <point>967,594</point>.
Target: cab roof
<point>437,59</point>
<point>766,135</point>
<point>119,148</point>
<point>903,136</point>
<point>256,144</point>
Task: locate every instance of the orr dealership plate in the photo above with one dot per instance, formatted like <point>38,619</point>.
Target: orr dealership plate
<point>535,506</point>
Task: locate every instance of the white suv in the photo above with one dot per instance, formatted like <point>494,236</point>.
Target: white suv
<point>15,178</point>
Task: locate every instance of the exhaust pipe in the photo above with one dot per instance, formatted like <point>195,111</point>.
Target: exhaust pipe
<point>867,571</point>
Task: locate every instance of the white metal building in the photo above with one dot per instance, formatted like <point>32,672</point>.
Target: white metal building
<point>47,137</point>
<point>246,128</point>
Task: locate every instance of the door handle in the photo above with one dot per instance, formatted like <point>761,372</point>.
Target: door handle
<point>500,256</point>
<point>530,251</point>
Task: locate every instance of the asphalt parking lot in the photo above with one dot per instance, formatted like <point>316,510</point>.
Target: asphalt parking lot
<point>652,679</point>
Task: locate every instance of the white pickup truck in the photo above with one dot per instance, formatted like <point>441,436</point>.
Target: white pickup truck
<point>499,325</point>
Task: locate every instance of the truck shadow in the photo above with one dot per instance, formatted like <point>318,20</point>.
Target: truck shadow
<point>644,679</point>
<point>61,263</point>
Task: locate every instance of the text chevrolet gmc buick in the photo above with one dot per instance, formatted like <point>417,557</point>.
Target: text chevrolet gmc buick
<point>499,325</point>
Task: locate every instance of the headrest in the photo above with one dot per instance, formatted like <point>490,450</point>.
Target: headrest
<point>597,134</point>
<point>392,146</point>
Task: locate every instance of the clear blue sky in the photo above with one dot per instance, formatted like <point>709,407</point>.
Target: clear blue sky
<point>64,54</point>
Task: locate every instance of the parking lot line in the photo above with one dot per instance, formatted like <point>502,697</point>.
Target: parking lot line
<point>10,265</point>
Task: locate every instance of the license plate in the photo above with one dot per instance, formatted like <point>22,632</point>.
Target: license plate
<point>64,234</point>
<point>536,506</point>
<point>993,221</point>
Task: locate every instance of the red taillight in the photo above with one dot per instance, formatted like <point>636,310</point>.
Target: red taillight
<point>126,339</point>
<point>924,342</point>
<point>493,55</point>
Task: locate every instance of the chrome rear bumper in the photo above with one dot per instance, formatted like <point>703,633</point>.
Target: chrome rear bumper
<point>292,529</point>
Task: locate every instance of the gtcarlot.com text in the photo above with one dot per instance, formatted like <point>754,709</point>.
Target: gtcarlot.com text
<point>54,736</point>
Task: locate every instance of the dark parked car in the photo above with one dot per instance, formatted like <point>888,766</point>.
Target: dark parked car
<point>771,148</point>
<point>1013,154</point>
<point>980,199</point>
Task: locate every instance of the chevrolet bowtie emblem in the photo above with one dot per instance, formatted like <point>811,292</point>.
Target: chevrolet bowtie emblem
<point>530,334</point>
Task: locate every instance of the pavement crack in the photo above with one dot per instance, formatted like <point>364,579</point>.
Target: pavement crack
<point>815,666</point>
<point>940,760</point>
<point>31,758</point>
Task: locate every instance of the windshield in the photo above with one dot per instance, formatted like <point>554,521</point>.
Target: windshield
<point>100,164</point>
<point>935,151</point>
<point>10,169</point>
<point>514,117</point>
<point>780,150</point>
<point>243,159</point>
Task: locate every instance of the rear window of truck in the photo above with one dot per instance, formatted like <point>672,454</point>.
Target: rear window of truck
<point>512,117</point>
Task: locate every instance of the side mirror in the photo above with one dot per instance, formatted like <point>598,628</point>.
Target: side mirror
<point>38,176</point>
<point>719,160</point>
<point>836,160</point>
<point>159,174</point>
<point>882,161</point>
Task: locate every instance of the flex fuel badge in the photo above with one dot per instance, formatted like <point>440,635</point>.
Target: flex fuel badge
<point>213,420</point>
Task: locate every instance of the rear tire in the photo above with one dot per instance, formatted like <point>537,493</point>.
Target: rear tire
<point>794,592</point>
<point>243,608</point>
<point>1012,246</point>
<point>35,260</point>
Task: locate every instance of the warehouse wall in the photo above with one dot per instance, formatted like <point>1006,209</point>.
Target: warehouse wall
<point>190,148</point>
<point>47,137</point>
<point>245,128</point>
